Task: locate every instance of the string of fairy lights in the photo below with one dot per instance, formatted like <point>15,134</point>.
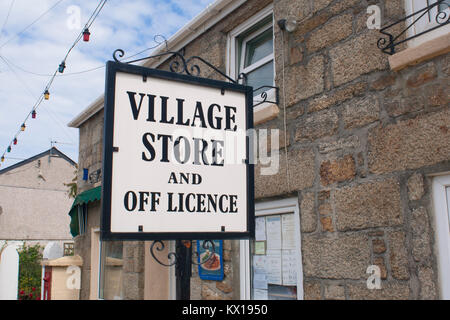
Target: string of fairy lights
<point>45,95</point>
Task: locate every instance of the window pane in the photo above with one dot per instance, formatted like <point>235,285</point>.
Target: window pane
<point>263,76</point>
<point>111,271</point>
<point>259,47</point>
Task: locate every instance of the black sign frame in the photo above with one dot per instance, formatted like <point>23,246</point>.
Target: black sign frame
<point>112,68</point>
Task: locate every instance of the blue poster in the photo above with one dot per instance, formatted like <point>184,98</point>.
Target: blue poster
<point>211,267</point>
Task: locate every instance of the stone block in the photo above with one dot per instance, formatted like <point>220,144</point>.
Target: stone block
<point>421,235</point>
<point>342,257</point>
<point>317,125</point>
<point>301,174</point>
<point>422,75</point>
<point>325,209</point>
<point>379,261</point>
<point>334,30</point>
<point>338,170</point>
<point>298,9</point>
<point>351,142</point>
<point>360,112</point>
<point>415,187</point>
<point>337,96</point>
<point>320,4</point>
<point>410,144</point>
<point>304,81</point>
<point>224,286</point>
<point>427,284</point>
<point>308,219</point>
<point>295,55</point>
<point>368,205</point>
<point>334,292</point>
<point>383,81</point>
<point>398,255</point>
<point>378,246</point>
<point>327,224</point>
<point>357,56</point>
<point>388,291</point>
<point>311,290</point>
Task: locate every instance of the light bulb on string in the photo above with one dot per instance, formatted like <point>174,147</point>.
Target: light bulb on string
<point>46,95</point>
<point>9,148</point>
<point>22,127</point>
<point>86,35</point>
<point>61,67</point>
<point>33,114</point>
<point>15,141</point>
<point>3,158</point>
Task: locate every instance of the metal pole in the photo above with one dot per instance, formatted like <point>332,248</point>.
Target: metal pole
<point>183,269</point>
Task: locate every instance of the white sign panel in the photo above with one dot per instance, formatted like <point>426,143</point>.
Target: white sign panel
<point>175,156</point>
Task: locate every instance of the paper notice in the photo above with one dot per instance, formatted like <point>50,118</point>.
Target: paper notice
<point>260,281</point>
<point>259,294</point>
<point>273,267</point>
<point>289,267</point>
<point>273,225</point>
<point>260,229</point>
<point>259,264</point>
<point>260,247</point>
<point>288,231</point>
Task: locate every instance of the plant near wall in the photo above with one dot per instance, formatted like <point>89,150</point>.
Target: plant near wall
<point>73,190</point>
<point>30,272</point>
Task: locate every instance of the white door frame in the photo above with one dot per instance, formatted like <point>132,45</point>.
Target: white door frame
<point>265,208</point>
<point>442,227</point>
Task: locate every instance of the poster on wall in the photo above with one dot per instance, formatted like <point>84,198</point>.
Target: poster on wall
<point>210,261</point>
<point>176,157</point>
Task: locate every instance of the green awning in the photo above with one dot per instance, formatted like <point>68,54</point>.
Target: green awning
<point>91,195</point>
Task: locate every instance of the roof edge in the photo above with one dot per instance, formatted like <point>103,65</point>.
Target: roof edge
<point>54,150</point>
<point>209,16</point>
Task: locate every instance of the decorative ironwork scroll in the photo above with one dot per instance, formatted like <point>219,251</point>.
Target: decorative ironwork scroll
<point>389,42</point>
<point>187,66</point>
<point>264,95</point>
<point>174,258</point>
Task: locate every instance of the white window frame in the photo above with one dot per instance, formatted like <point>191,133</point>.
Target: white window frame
<point>421,25</point>
<point>232,50</point>
<point>96,231</point>
<point>260,62</point>
<point>285,206</point>
<point>442,227</point>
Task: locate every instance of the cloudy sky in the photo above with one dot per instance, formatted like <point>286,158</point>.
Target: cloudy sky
<point>29,55</point>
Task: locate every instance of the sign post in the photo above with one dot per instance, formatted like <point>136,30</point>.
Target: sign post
<point>176,158</point>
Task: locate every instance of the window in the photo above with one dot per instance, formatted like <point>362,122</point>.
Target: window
<point>68,248</point>
<point>441,201</point>
<point>428,21</point>
<point>82,218</point>
<point>271,265</point>
<point>256,59</point>
<point>251,51</point>
<point>111,272</point>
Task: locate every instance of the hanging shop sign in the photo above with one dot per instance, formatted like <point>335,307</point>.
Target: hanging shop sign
<point>210,262</point>
<point>176,157</point>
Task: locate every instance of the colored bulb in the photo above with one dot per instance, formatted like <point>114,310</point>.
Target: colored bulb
<point>33,114</point>
<point>86,34</point>
<point>61,67</point>
<point>46,95</point>
<point>15,141</point>
<point>22,128</point>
